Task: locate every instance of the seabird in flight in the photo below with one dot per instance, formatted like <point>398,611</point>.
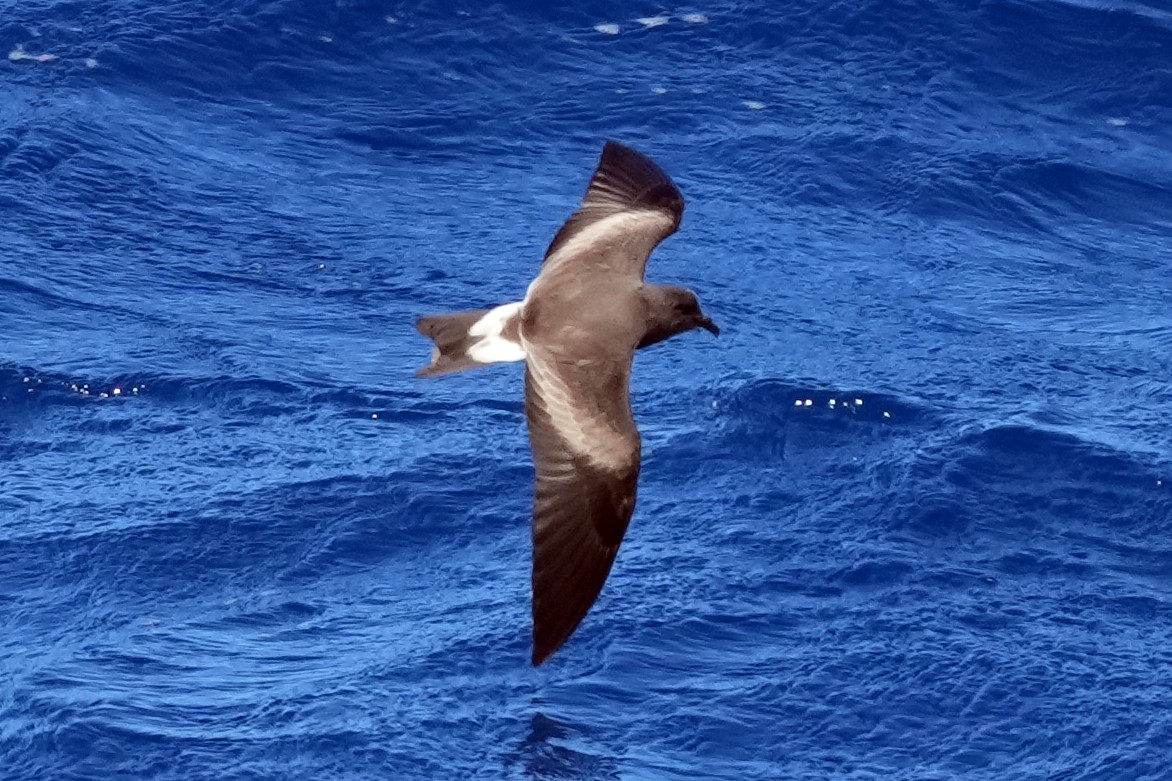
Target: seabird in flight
<point>577,330</point>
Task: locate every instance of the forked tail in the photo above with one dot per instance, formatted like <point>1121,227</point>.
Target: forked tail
<point>465,340</point>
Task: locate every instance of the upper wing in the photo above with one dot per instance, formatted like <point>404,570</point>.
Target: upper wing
<point>586,453</point>
<point>630,206</point>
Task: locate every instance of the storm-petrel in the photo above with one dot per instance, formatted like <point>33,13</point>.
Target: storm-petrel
<point>577,330</point>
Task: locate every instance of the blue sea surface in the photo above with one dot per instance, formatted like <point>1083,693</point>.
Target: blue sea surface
<point>909,517</point>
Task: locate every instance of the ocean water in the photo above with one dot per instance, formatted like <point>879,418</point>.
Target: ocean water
<point>910,517</point>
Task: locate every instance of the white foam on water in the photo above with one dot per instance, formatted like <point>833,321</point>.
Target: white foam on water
<point>607,29</point>
<point>695,18</point>
<point>1117,122</point>
<point>18,54</point>
<point>755,105</point>
<point>90,62</point>
<point>659,90</point>
<point>390,19</point>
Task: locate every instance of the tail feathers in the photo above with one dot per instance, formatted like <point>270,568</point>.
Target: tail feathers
<point>465,340</point>
<point>452,342</point>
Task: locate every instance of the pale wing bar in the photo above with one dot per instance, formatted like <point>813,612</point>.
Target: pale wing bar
<point>580,419</point>
<point>630,201</point>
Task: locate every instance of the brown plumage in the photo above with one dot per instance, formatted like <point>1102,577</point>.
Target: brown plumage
<point>577,331</point>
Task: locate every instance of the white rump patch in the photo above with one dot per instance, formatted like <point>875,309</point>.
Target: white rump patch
<point>492,347</point>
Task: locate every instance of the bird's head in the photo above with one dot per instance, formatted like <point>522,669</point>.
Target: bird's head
<point>673,310</point>
<point>686,308</point>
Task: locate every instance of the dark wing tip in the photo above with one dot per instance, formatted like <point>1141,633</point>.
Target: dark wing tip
<point>623,180</point>
<point>552,630</point>
<point>577,531</point>
<point>634,179</point>
<point>540,654</point>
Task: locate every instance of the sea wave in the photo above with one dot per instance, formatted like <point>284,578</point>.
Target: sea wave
<point>908,515</point>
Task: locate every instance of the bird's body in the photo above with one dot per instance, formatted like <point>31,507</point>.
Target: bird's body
<point>577,330</point>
